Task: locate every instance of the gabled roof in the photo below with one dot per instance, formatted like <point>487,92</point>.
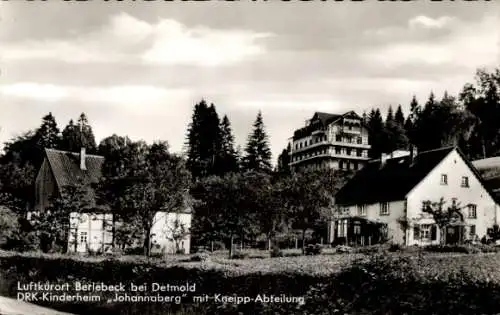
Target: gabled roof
<point>325,119</point>
<point>397,177</point>
<point>489,169</point>
<point>65,167</point>
<point>390,181</point>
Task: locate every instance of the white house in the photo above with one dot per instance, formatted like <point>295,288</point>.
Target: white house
<point>94,231</point>
<point>391,192</point>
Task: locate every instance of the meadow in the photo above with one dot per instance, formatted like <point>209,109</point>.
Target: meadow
<point>377,281</point>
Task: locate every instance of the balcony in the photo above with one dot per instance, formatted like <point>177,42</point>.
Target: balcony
<point>351,144</point>
<point>311,146</point>
<point>353,131</point>
<point>318,132</point>
<point>342,156</point>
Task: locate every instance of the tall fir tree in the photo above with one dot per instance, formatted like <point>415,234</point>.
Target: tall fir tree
<point>228,161</point>
<point>376,133</point>
<point>257,151</point>
<point>48,135</point>
<point>399,117</point>
<point>390,115</point>
<point>203,142</point>
<point>76,136</point>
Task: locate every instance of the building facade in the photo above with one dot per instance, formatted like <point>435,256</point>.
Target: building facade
<point>394,193</point>
<point>92,231</point>
<point>330,141</point>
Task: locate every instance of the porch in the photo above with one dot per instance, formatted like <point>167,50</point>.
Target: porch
<point>356,231</point>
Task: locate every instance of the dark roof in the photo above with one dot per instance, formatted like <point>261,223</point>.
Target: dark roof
<point>490,171</point>
<point>65,167</point>
<point>325,119</point>
<point>391,181</point>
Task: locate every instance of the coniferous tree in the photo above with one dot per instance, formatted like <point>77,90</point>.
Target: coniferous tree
<point>390,115</point>
<point>283,166</point>
<point>76,136</point>
<point>257,151</point>
<point>399,116</point>
<point>228,161</point>
<point>204,141</point>
<point>47,135</point>
<point>376,136</point>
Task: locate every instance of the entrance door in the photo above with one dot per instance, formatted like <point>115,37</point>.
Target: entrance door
<point>452,234</point>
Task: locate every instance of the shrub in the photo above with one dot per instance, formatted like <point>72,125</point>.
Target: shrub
<point>239,255</point>
<point>343,249</point>
<point>276,252</point>
<point>203,256</point>
<point>313,249</point>
<point>395,248</point>
<point>373,249</point>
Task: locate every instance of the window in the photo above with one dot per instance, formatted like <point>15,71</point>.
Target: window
<point>354,165</point>
<point>444,179</point>
<point>338,138</point>
<point>341,165</point>
<point>384,208</point>
<point>425,232</point>
<point>465,181</point>
<point>472,230</point>
<point>359,152</point>
<point>348,151</point>
<point>357,229</point>
<point>296,146</point>
<point>361,210</point>
<point>83,237</point>
<point>360,140</point>
<point>338,151</point>
<point>472,211</point>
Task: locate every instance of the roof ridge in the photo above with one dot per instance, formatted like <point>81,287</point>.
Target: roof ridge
<point>76,153</point>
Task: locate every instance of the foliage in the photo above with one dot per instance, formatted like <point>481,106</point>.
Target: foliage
<point>9,228</point>
<point>443,216</point>
<point>54,224</point>
<point>76,136</point>
<point>313,249</point>
<point>257,152</point>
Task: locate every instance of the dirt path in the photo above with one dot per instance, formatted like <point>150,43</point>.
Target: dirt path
<point>9,306</point>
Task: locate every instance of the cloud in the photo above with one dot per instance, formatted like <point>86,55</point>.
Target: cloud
<point>423,21</point>
<point>469,45</point>
<point>132,98</point>
<point>126,39</point>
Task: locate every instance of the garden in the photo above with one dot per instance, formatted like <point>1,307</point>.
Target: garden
<point>372,280</point>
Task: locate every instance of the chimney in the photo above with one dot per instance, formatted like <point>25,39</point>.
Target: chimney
<point>82,159</point>
<point>383,159</point>
<point>413,153</point>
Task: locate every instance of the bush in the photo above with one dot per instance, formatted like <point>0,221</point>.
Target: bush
<point>239,255</point>
<point>341,249</point>
<point>373,249</point>
<point>313,249</point>
<point>134,251</point>
<point>395,248</point>
<point>203,256</point>
<point>276,252</point>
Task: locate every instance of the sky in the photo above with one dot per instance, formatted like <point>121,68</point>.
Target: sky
<point>138,68</point>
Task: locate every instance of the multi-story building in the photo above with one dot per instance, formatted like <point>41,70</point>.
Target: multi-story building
<point>330,140</point>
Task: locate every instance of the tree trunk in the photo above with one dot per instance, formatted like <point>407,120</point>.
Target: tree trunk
<point>147,243</point>
<point>304,241</point>
<point>296,242</point>
<point>212,246</point>
<point>231,246</point>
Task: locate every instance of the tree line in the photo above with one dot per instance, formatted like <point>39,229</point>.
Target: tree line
<point>236,194</point>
